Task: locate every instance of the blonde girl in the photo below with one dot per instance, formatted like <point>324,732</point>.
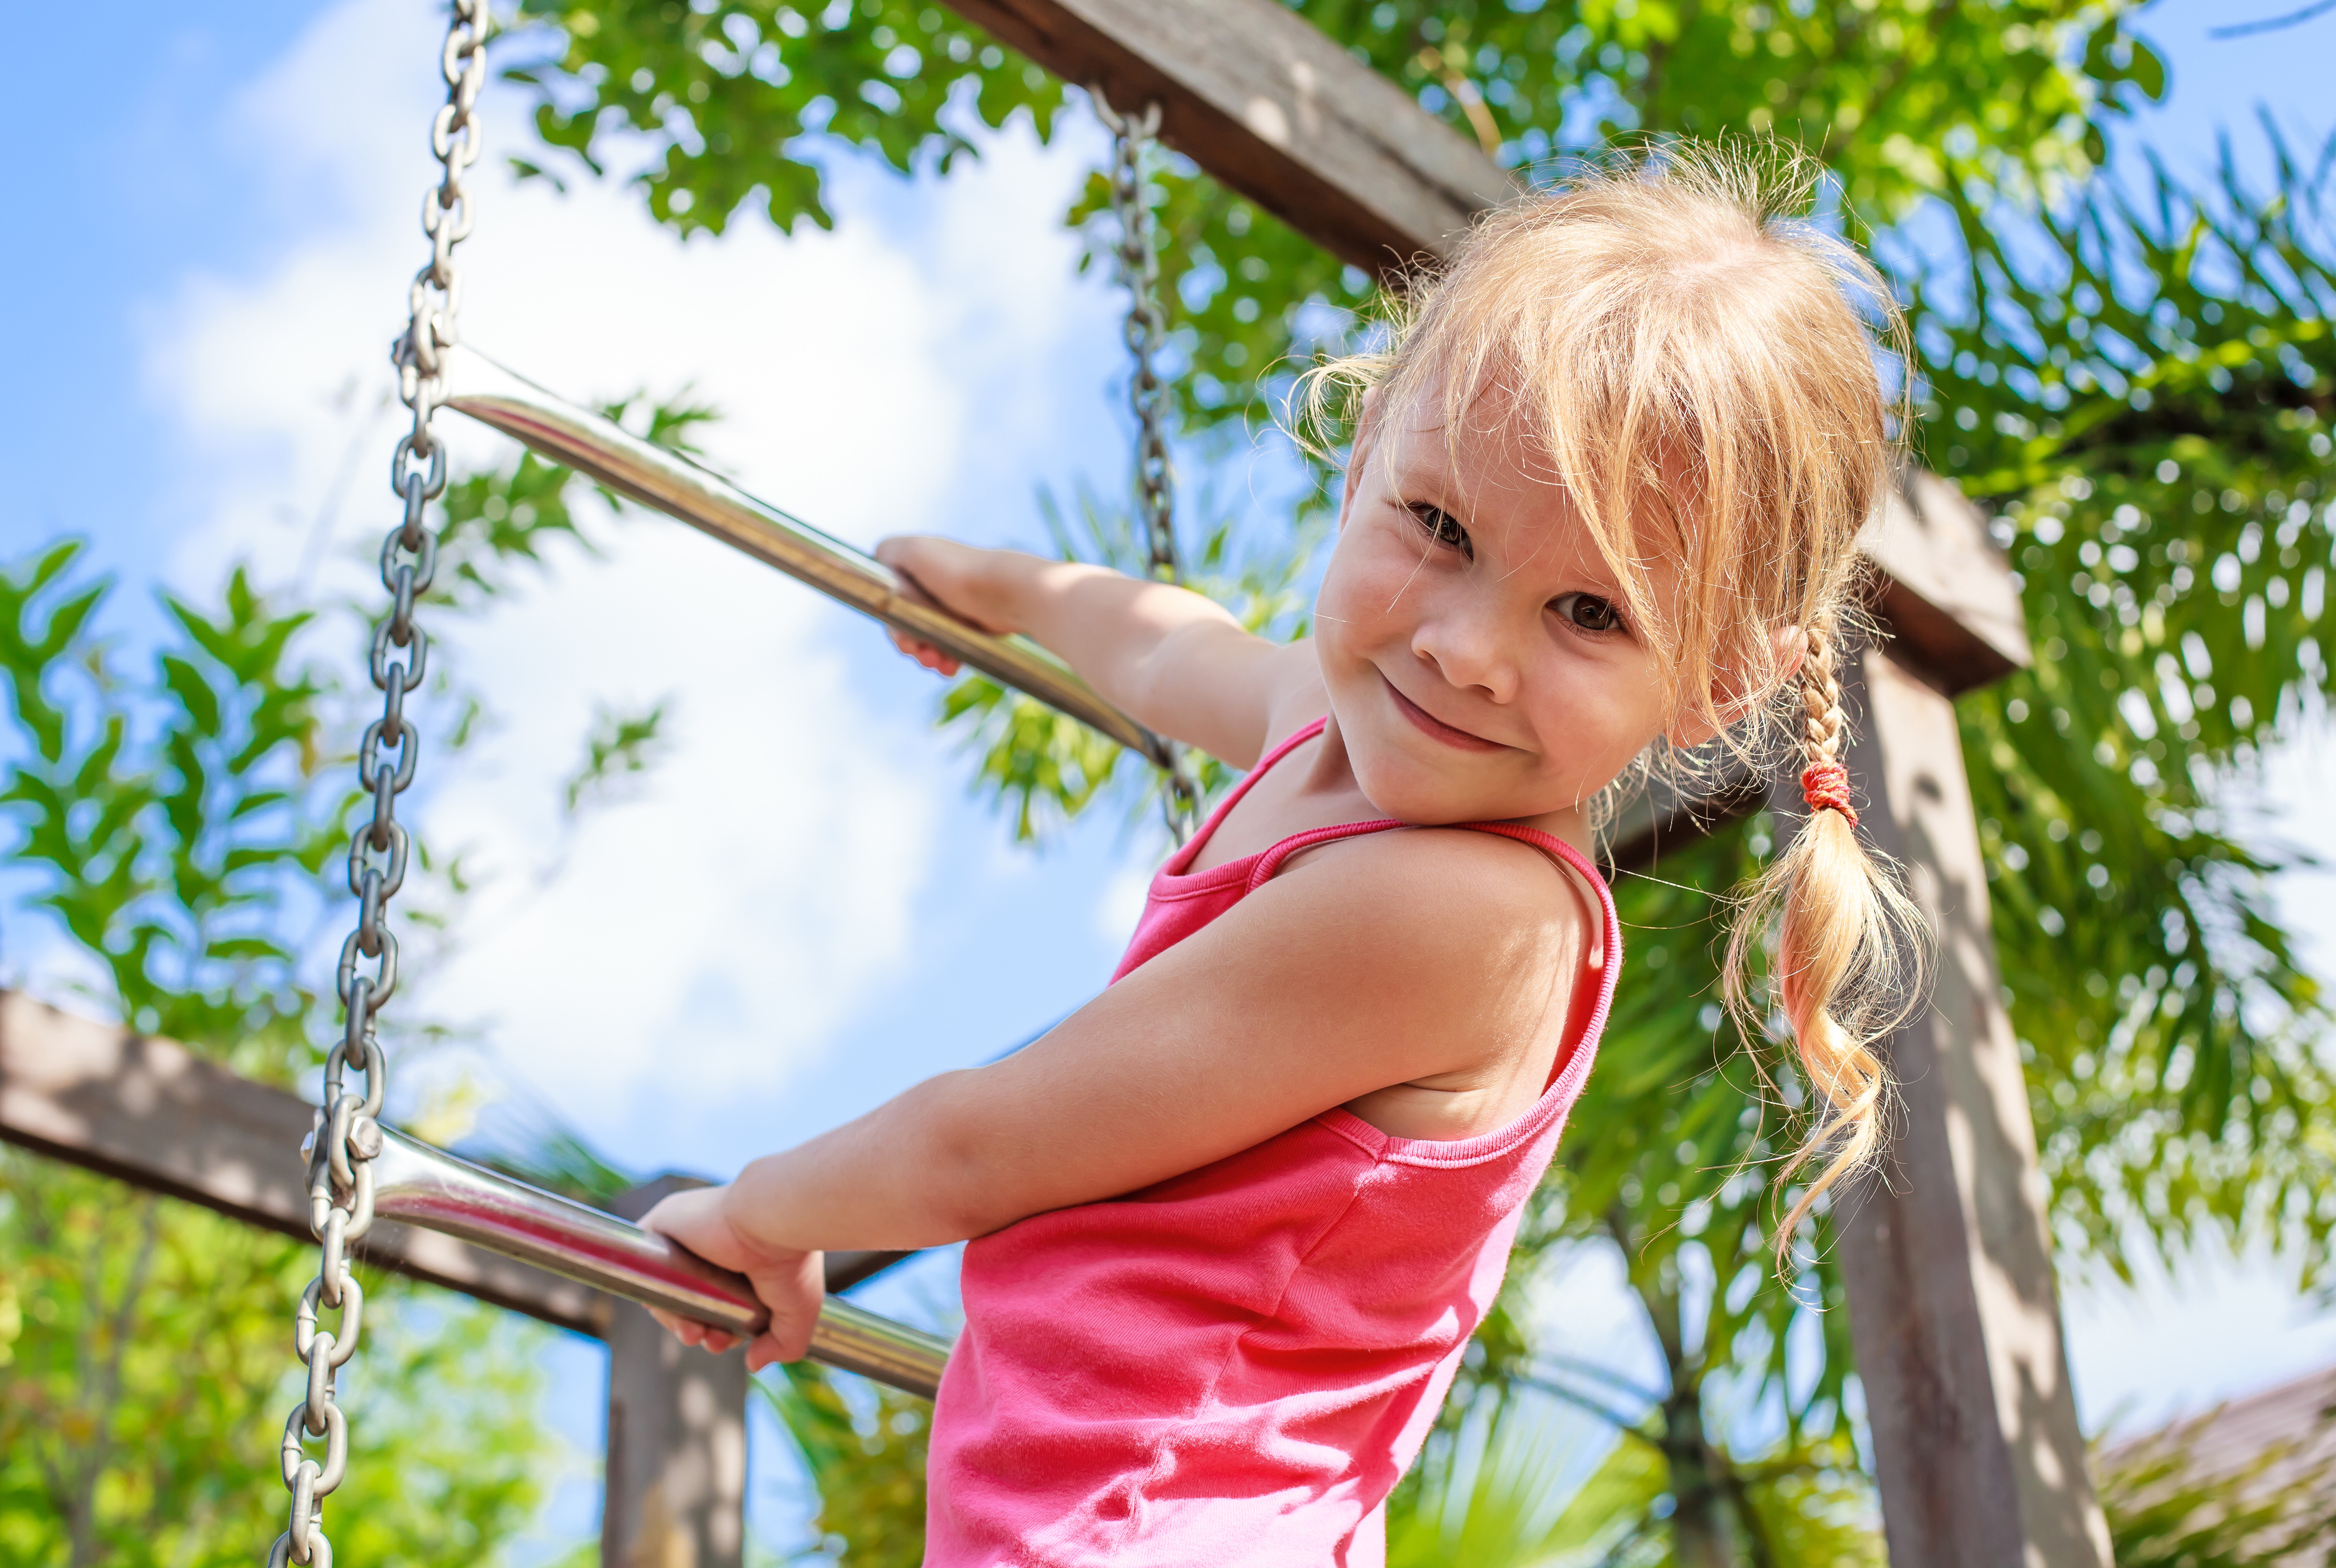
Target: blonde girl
<point>1233,1221</point>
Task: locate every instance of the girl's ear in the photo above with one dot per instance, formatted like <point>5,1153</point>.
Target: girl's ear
<point>1730,698</point>
<point>1359,453</point>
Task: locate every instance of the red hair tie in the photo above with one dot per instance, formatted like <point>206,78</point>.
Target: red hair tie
<point>1825,787</point>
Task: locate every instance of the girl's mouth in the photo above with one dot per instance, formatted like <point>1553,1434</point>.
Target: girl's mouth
<point>1427,723</point>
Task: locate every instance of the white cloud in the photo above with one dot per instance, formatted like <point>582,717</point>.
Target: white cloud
<point>733,911</point>
<point>762,885</point>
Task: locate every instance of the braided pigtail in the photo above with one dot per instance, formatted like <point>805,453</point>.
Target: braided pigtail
<point>1848,952</point>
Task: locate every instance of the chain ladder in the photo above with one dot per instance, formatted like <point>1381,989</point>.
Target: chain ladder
<point>348,1134</point>
<point>1132,138</point>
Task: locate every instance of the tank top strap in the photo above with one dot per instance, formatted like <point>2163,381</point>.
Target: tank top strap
<point>1184,856</point>
<point>1262,872</point>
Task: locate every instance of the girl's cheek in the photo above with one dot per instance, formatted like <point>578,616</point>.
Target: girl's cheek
<point>1347,610</point>
<point>1372,592</point>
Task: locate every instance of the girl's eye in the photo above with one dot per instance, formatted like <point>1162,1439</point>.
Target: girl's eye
<point>1589,612</point>
<point>1445,529</point>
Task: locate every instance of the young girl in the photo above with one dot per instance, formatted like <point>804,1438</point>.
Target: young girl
<point>1233,1221</point>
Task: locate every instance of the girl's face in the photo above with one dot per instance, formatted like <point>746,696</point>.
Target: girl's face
<point>1479,660</point>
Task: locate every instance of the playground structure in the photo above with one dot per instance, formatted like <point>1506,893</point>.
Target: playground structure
<point>1953,1307</point>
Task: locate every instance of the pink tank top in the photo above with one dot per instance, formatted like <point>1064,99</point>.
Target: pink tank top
<point>1232,1367</point>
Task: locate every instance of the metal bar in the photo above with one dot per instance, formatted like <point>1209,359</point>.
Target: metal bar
<point>671,484</point>
<point>431,1189</point>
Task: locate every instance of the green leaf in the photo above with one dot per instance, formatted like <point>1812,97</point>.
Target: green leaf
<point>234,948</point>
<point>194,694</point>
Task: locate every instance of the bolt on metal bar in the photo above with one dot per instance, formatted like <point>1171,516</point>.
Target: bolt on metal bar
<point>668,482</point>
<point>418,1185</point>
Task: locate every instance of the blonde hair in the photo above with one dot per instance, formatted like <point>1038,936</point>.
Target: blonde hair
<point>1695,360</point>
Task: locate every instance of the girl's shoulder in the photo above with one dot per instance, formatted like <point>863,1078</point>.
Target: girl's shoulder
<point>1439,957</point>
<point>1487,893</point>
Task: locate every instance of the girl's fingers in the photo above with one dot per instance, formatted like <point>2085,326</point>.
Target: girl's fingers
<point>768,1350</point>
<point>925,653</point>
<point>714,1341</point>
<point>796,1293</point>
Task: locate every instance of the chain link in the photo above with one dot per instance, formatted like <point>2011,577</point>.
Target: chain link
<point>347,1135</point>
<point>1132,138</point>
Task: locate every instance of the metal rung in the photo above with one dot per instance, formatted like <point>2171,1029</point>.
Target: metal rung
<point>668,482</point>
<point>419,1185</point>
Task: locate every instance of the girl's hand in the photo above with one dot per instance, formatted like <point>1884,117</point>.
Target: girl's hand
<point>946,575</point>
<point>791,1283</point>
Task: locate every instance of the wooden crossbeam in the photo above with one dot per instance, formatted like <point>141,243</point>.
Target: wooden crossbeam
<point>1929,534</point>
<point>1943,592</point>
<point>153,1113</point>
<point>1267,102</point>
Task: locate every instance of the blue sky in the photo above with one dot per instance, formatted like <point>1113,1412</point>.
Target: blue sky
<point>801,912</point>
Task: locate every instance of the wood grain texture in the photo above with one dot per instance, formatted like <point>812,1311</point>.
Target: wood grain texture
<point>673,1482</point>
<point>1942,590</point>
<point>1271,106</point>
<point>153,1113</point>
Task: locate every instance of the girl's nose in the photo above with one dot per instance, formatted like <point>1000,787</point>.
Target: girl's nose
<point>1470,647</point>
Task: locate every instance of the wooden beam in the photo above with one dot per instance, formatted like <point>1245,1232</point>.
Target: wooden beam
<point>1953,1310</point>
<point>1658,820</point>
<point>155,1115</point>
<point>1942,590</point>
<point>150,1112</point>
<point>1271,105</point>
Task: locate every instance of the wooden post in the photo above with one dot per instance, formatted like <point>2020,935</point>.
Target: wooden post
<point>674,1494</point>
<point>1946,1255</point>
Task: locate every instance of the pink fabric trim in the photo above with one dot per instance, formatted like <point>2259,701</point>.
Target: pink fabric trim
<point>1174,870</point>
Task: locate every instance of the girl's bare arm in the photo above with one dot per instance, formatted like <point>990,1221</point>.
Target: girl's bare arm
<point>1173,660</point>
<point>1400,956</point>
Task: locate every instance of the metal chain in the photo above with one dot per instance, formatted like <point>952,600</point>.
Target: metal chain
<point>1137,254</point>
<point>348,1134</point>
<point>1132,138</point>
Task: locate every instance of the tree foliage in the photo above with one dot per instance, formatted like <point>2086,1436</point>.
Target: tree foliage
<point>865,1457</point>
<point>176,815</point>
<point>2152,416</point>
<point>145,1371</point>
